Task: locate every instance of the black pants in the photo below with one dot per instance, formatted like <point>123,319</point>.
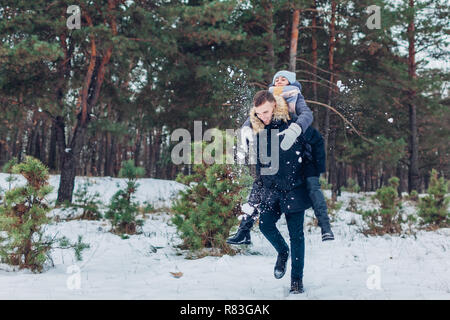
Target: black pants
<point>267,225</point>
<point>318,201</point>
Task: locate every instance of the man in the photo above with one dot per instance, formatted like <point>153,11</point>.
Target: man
<point>279,190</point>
<point>284,84</point>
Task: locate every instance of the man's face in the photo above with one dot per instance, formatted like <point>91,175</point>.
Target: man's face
<point>265,111</point>
<point>281,81</point>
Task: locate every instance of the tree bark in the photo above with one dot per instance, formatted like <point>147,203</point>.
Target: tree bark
<point>137,147</point>
<point>333,170</point>
<point>331,46</point>
<point>314,62</point>
<point>268,8</point>
<point>88,98</point>
<point>331,149</point>
<point>146,155</point>
<point>109,155</point>
<point>367,186</point>
<point>413,176</point>
<point>294,40</point>
<point>43,141</point>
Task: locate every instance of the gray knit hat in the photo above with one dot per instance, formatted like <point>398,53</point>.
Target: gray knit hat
<point>284,73</point>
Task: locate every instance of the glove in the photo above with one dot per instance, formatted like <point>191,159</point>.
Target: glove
<point>290,135</point>
<point>248,210</point>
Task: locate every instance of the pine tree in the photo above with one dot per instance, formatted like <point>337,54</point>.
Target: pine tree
<point>22,217</point>
<point>86,201</point>
<point>123,208</point>
<point>388,218</point>
<point>207,211</point>
<point>433,208</point>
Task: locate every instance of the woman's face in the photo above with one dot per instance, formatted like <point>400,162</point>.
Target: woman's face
<point>281,81</point>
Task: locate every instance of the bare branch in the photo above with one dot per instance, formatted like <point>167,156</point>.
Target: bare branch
<point>343,118</point>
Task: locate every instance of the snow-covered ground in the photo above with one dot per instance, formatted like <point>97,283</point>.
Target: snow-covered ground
<point>141,267</point>
<point>154,191</point>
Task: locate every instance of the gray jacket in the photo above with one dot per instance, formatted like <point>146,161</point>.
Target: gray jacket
<point>304,113</point>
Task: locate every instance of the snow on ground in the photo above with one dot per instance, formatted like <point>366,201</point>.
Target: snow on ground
<point>139,267</point>
<point>155,191</point>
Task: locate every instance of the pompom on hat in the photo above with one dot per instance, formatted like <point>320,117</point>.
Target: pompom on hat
<point>290,76</point>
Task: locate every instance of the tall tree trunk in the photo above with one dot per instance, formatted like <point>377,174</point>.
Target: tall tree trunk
<point>366,178</point>
<point>67,164</point>
<point>340,176</point>
<point>93,158</point>
<point>156,147</point>
<point>19,142</point>
<point>137,148</point>
<point>3,158</point>
<point>32,131</point>
<point>268,8</point>
<point>100,151</point>
<point>413,176</point>
<point>332,43</point>
<point>112,157</point>
<point>52,149</point>
<point>398,173</point>
<point>360,177</point>
<point>15,137</point>
<point>327,126</point>
<point>146,155</point>
<point>333,169</point>
<point>294,40</point>
<point>372,181</point>
<point>314,62</point>
<point>88,98</point>
<point>108,145</point>
<point>151,153</point>
<point>43,142</point>
<point>119,158</point>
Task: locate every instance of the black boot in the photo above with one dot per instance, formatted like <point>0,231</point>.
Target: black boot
<point>327,234</point>
<point>242,236</point>
<point>296,286</point>
<point>280,265</point>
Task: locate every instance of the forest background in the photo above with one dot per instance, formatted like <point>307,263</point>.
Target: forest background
<point>84,99</point>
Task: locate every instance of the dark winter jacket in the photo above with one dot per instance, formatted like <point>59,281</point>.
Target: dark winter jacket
<point>315,158</point>
<point>286,187</point>
<point>304,113</point>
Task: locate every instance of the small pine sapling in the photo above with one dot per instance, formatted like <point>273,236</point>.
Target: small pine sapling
<point>433,208</point>
<point>87,201</point>
<point>23,216</point>
<point>388,218</point>
<point>123,209</point>
<point>208,209</point>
